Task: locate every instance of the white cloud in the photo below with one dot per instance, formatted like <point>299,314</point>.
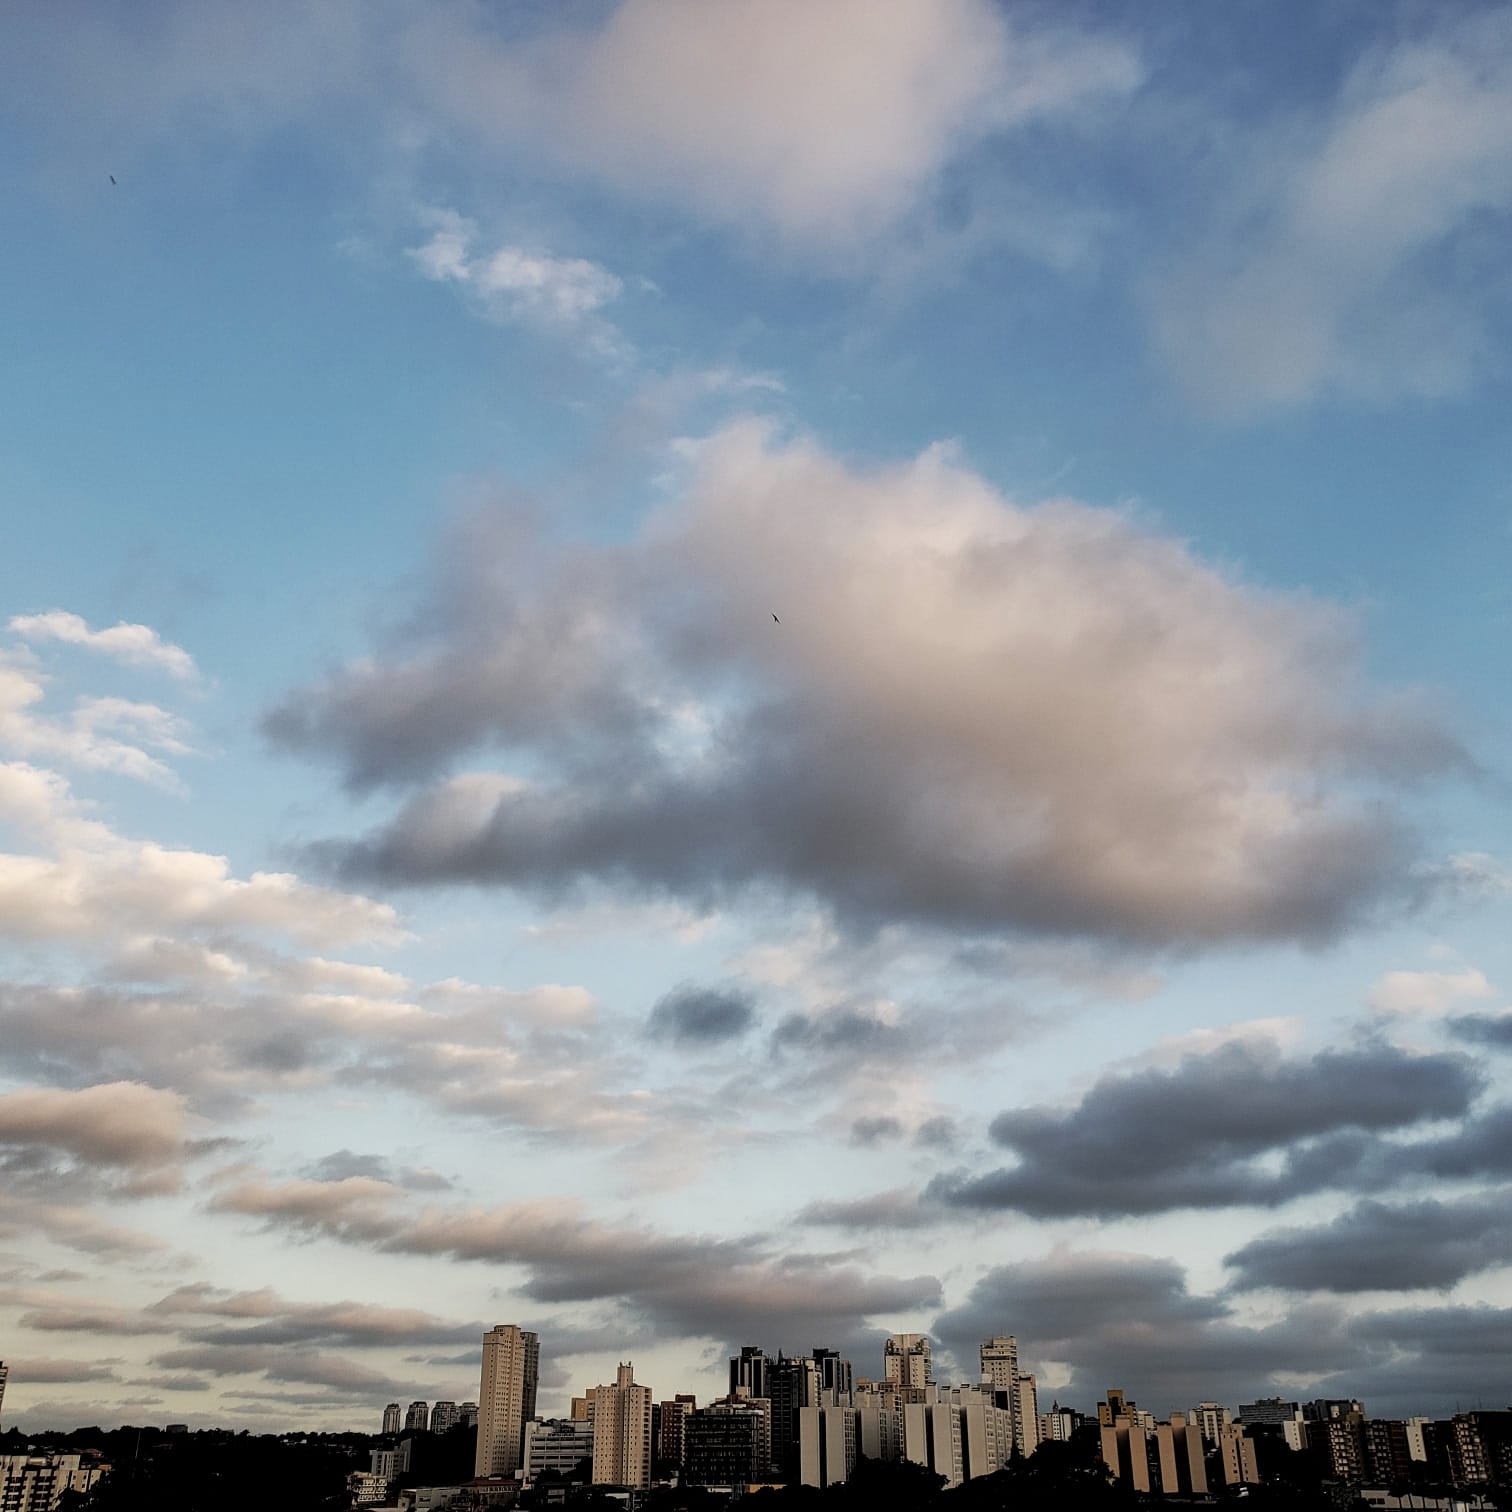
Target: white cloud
<point>1428,993</point>
<point>826,120</point>
<point>1360,247</point>
<point>514,284</point>
<point>93,884</point>
<point>91,736</point>
<point>136,645</point>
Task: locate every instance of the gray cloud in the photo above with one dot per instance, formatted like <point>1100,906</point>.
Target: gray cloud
<point>909,745</point>
<point>1493,1030</point>
<point>1130,1320</point>
<point>49,1371</point>
<point>1099,1313</point>
<point>899,1208</point>
<point>881,1129</point>
<point>1345,258</point>
<point>702,1015</point>
<point>1380,1247</point>
<point>683,1285</point>
<point>343,1163</point>
<point>1199,1135</point>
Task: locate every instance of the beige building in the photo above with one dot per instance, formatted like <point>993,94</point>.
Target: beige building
<point>621,1418</point>
<point>999,1357</point>
<point>36,1482</point>
<point>827,1438</point>
<point>506,1398</point>
<point>1239,1465</point>
<point>905,1359</point>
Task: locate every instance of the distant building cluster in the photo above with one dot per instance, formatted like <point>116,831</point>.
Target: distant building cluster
<point>809,1420</point>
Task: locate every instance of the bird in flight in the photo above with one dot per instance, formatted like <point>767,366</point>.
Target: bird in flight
<point>112,178</point>
<point>778,621</point>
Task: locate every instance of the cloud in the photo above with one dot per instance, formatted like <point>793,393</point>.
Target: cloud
<point>692,1015</point>
<point>1236,1126</point>
<point>887,1211</point>
<point>89,883</point>
<point>1493,1030</point>
<point>513,283</point>
<point>824,123</point>
<point>973,715</point>
<point>682,1285</point>
<point>49,1372</point>
<point>114,1124</point>
<point>90,737</point>
<point>1376,1246</point>
<point>135,645</point>
<point>1357,254</point>
<point>1431,993</point>
<point>264,1317</point>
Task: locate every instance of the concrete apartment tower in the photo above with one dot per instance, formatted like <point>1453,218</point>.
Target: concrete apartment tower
<point>905,1358</point>
<point>3,1373</point>
<point>506,1398</point>
<point>621,1416</point>
<point>1000,1362</point>
<point>391,1420</point>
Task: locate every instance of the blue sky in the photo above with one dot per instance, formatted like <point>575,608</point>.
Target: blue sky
<point>433,885</point>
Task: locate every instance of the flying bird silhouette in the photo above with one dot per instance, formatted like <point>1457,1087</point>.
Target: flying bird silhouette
<point>778,620</point>
<point>112,178</point>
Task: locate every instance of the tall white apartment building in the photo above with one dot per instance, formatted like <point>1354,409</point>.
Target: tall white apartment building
<point>621,1417</point>
<point>391,1420</point>
<point>506,1398</point>
<point>3,1373</point>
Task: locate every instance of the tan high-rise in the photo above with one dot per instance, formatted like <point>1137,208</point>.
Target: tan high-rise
<point>905,1360</point>
<point>621,1416</point>
<point>506,1398</point>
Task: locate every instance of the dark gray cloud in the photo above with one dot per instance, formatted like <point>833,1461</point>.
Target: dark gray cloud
<point>1205,1133</point>
<point>907,746</point>
<point>1130,1321</point>
<point>692,1015</point>
<point>1377,1246</point>
<point>1493,1030</point>
<point>880,1129</point>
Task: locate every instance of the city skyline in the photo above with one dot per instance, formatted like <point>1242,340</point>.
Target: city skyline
<point>785,670</point>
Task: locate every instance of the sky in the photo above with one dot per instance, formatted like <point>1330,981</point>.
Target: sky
<point>705,672</point>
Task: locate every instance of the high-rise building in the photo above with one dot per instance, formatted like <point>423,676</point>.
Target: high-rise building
<point>1209,1419</point>
<point>1268,1410</point>
<point>468,1413</point>
<point>444,1415</point>
<point>791,1385</point>
<point>621,1417</point>
<point>999,1358</point>
<point>557,1444</point>
<point>669,1439</point>
<point>727,1443</point>
<point>826,1445</point>
<point>835,1377</point>
<point>748,1372</point>
<point>1025,1414</point>
<point>506,1398</point>
<point>391,1420</point>
<point>417,1419</point>
<point>3,1373</point>
<point>905,1359</point>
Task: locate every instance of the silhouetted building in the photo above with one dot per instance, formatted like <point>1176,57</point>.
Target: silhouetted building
<point>726,1444</point>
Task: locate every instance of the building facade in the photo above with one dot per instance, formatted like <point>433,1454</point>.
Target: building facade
<point>391,1419</point>
<point>506,1398</point>
<point>727,1443</point>
<point>36,1482</point>
<point>905,1360</point>
<point>556,1444</point>
<point>417,1419</point>
<point>621,1419</point>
